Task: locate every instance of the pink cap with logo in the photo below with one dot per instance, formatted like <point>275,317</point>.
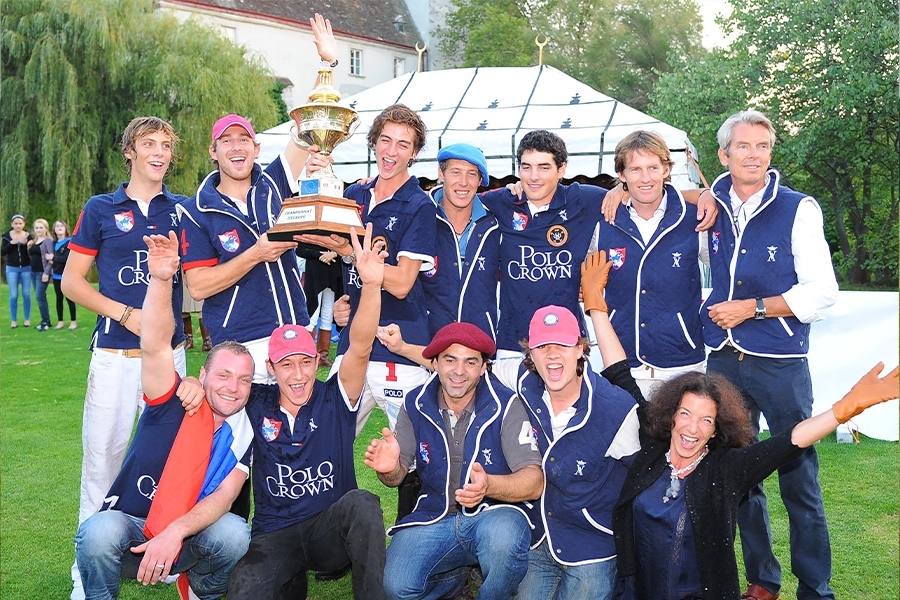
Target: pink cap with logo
<point>229,120</point>
<point>288,340</point>
<point>553,325</point>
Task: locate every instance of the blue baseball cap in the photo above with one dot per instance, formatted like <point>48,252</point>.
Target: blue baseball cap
<point>468,153</point>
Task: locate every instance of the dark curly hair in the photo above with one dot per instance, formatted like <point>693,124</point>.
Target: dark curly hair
<point>403,115</point>
<point>542,140</point>
<point>733,428</point>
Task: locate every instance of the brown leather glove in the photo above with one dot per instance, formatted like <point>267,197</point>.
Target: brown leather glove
<point>869,391</point>
<point>594,273</point>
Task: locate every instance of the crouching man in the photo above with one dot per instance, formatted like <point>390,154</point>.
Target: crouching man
<point>309,513</point>
<point>471,442</point>
<point>167,510</point>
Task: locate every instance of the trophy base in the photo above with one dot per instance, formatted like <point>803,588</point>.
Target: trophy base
<point>316,215</point>
<point>331,187</point>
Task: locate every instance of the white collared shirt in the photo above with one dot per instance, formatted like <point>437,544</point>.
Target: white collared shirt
<point>816,286</point>
<point>646,227</point>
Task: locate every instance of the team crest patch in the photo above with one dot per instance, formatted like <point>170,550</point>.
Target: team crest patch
<point>423,453</point>
<point>519,221</point>
<point>617,257</point>
<point>125,221</point>
<point>270,429</point>
<point>433,270</point>
<point>714,238</point>
<point>289,334</point>
<point>557,235</point>
<point>380,243</point>
<point>230,240</point>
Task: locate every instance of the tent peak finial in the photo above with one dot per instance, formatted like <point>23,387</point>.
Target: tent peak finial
<point>540,45</point>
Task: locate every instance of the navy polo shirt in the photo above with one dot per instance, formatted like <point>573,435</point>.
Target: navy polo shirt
<point>111,228</point>
<point>214,231</point>
<point>541,255</point>
<point>298,474</point>
<point>406,224</point>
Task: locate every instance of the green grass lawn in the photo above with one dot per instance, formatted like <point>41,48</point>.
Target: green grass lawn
<point>42,383</point>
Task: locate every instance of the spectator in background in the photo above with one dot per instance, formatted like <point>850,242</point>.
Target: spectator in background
<point>40,268</point>
<point>322,284</point>
<point>61,237</point>
<point>18,269</point>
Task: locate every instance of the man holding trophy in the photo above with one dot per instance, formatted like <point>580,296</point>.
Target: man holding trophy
<point>403,219</point>
<point>250,283</point>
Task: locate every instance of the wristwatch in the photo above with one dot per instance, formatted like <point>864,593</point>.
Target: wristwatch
<point>760,313</point>
<point>330,65</point>
<point>352,256</point>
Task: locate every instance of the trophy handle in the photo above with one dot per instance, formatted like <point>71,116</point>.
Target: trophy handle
<point>351,128</point>
<point>296,139</point>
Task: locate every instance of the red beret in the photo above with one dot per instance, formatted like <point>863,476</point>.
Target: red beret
<point>465,334</point>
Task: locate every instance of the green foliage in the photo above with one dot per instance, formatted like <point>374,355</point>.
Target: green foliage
<point>76,72</point>
<point>825,73</point>
<point>616,46</point>
<point>278,100</point>
<point>481,33</point>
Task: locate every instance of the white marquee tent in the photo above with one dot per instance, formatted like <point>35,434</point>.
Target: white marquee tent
<point>492,108</point>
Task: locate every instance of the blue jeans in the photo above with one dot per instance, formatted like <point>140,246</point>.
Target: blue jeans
<point>16,276</point>
<point>549,580</point>
<point>40,293</point>
<point>103,556</point>
<point>428,561</point>
<point>781,389</point>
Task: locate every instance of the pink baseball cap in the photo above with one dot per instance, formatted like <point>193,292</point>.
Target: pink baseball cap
<point>229,120</point>
<point>553,325</point>
<point>288,340</point>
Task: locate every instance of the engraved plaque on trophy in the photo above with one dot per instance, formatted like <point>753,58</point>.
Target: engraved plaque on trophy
<point>321,208</point>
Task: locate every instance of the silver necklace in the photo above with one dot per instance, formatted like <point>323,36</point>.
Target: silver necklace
<point>675,482</point>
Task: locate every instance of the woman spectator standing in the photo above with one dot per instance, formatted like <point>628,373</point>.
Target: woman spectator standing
<point>41,254</point>
<point>60,255</point>
<point>14,248</point>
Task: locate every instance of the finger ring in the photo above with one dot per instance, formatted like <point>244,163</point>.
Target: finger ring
<point>161,566</point>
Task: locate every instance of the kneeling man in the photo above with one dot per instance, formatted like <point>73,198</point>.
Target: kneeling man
<point>167,511</point>
<point>309,513</point>
<point>471,442</point>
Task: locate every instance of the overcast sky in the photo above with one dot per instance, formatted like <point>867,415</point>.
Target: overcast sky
<point>712,36</point>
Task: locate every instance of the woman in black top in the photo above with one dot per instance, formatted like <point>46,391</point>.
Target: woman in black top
<point>41,255</point>
<point>676,517</point>
<point>14,249</point>
<point>61,236</point>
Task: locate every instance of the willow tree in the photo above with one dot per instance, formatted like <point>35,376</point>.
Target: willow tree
<point>74,74</point>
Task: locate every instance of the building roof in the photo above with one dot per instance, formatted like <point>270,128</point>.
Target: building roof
<point>367,19</point>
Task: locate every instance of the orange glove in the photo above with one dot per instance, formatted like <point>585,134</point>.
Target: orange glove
<point>869,391</point>
<point>594,273</point>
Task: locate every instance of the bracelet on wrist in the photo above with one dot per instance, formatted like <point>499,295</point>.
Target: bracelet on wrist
<point>125,315</point>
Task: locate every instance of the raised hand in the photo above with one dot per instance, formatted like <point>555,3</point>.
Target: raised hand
<point>594,275</point>
<point>323,38</point>
<point>383,454</point>
<point>369,261</point>
<point>162,255</point>
<point>868,391</point>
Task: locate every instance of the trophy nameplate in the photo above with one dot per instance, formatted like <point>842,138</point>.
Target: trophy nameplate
<point>321,208</point>
<point>318,215</point>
